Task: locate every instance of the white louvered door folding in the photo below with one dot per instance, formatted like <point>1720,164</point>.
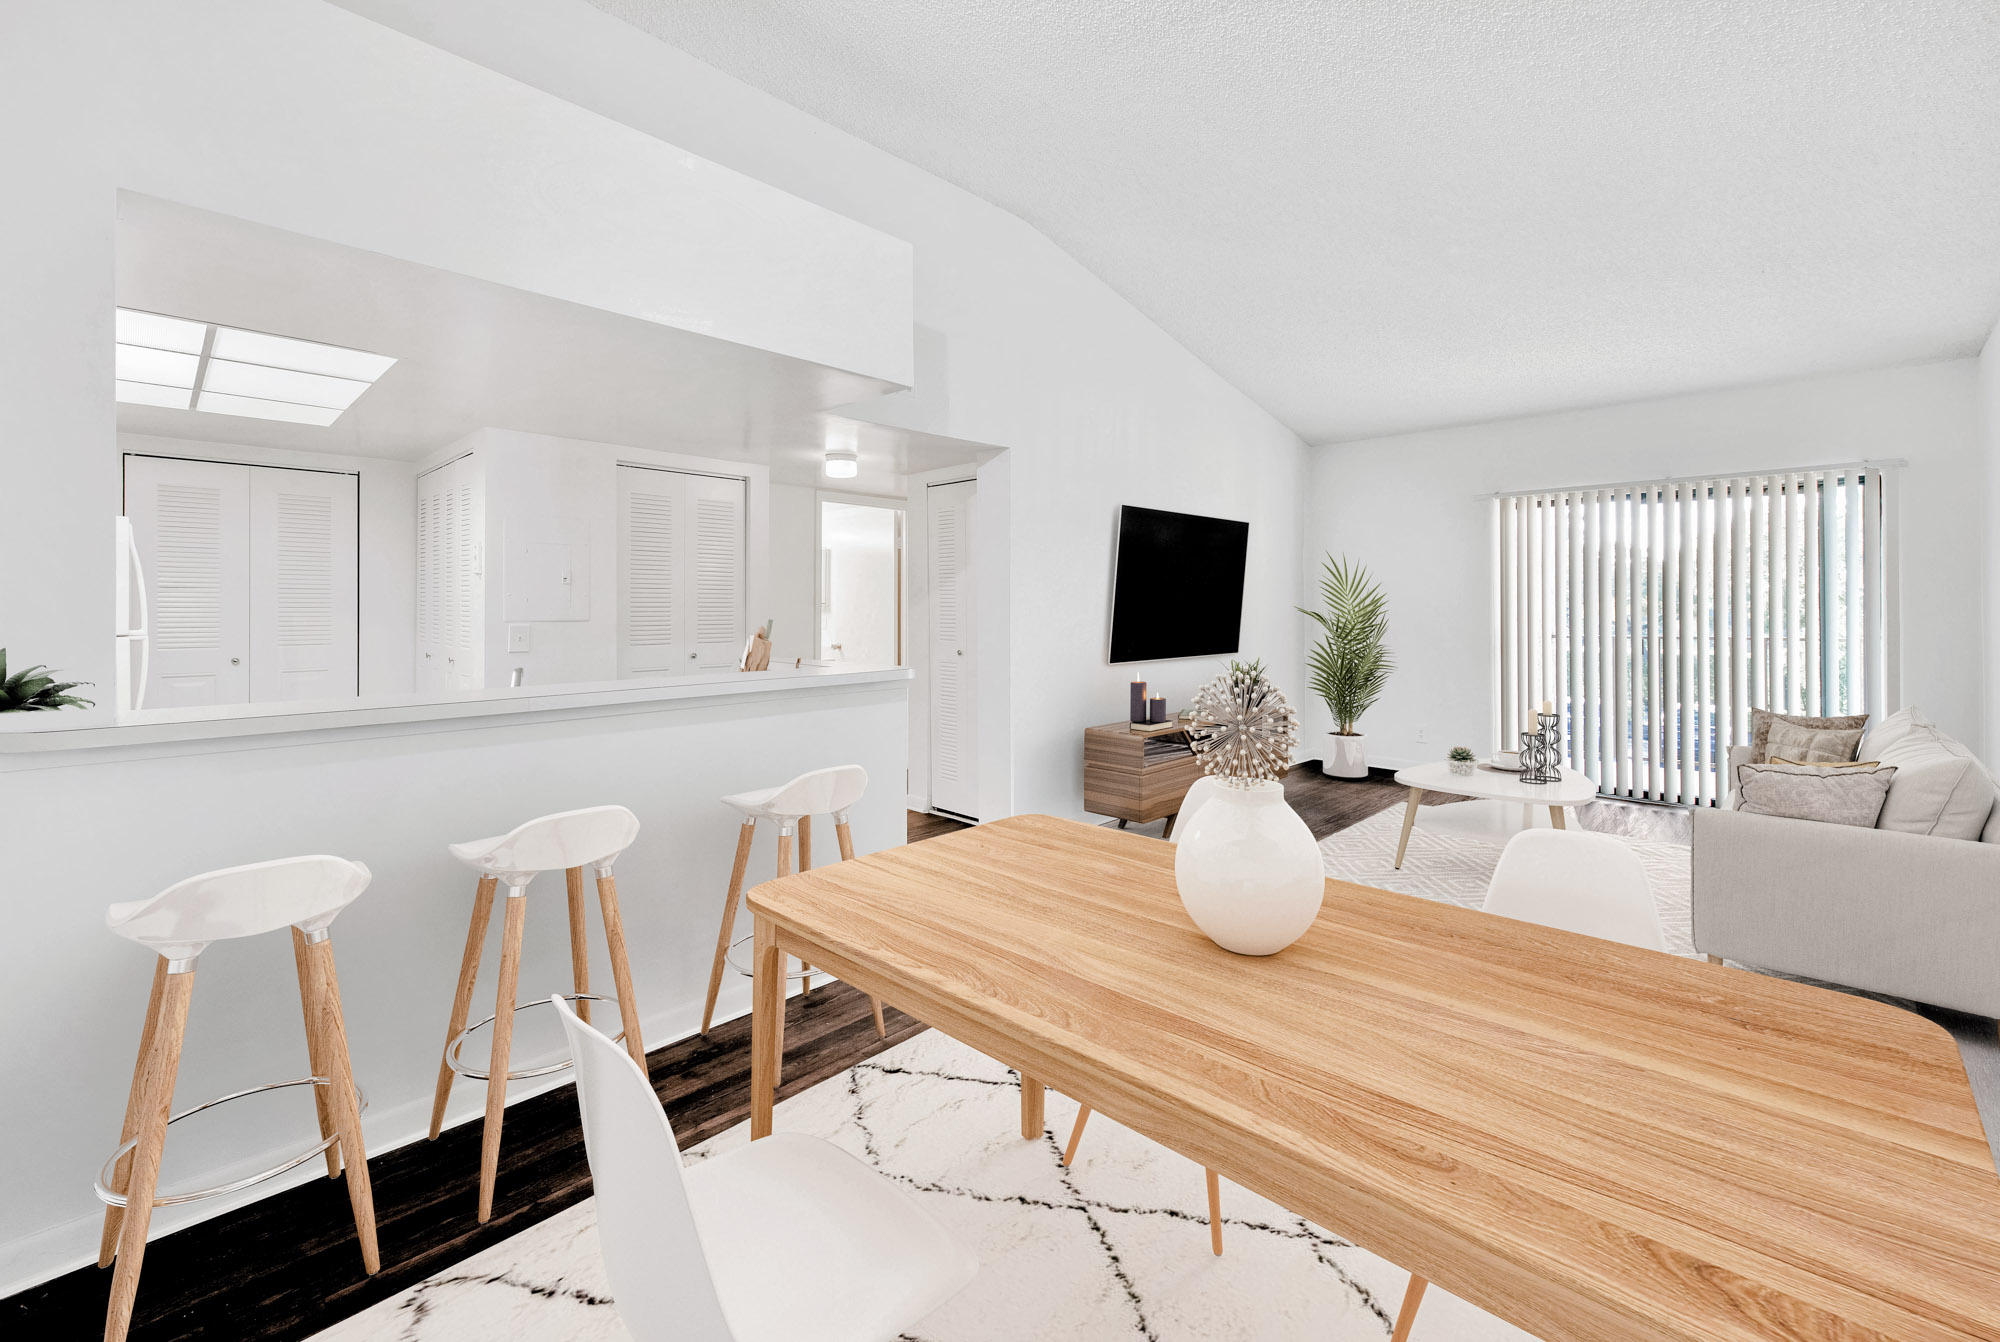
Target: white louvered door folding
<point>954,758</point>
<point>303,585</point>
<point>681,564</point>
<point>191,522</point>
<point>1657,616</point>
<point>451,581</point>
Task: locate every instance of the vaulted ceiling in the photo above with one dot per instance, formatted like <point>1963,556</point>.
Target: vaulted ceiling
<point>1375,216</point>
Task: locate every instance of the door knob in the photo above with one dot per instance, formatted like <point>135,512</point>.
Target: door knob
<point>961,652</point>
<point>236,661</point>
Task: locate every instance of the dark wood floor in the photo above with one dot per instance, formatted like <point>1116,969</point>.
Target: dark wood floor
<point>288,1266</point>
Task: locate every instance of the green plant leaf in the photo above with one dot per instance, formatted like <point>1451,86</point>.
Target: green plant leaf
<point>1349,666</point>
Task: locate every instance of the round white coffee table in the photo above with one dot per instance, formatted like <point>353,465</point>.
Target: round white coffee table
<point>1492,785</point>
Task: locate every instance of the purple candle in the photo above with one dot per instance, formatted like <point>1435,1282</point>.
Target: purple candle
<point>1138,701</point>
<point>1158,705</point>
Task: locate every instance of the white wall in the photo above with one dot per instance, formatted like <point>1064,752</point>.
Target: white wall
<point>1405,507</point>
<point>793,574</point>
<point>1016,346</point>
<point>388,577</point>
<point>1989,431</point>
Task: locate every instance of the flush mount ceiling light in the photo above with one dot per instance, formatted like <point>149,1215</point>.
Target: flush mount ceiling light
<point>843,458</point>
<point>188,365</point>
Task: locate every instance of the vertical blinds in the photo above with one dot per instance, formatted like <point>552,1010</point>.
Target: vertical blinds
<point>1656,616</point>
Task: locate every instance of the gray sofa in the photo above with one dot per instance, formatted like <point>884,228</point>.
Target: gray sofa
<point>1897,909</point>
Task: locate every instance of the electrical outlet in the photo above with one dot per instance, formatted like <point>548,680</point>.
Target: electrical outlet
<point>1422,737</point>
<point>517,638</point>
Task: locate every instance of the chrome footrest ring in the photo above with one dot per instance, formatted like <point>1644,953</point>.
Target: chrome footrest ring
<point>110,1198</point>
<point>457,1042</point>
<point>730,957</point>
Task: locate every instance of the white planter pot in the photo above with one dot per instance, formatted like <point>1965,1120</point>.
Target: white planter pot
<point>1345,757</point>
<point>1248,870</point>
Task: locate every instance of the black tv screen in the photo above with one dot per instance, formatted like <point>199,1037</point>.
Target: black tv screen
<point>1178,591</point>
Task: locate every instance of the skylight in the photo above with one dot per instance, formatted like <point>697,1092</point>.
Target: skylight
<point>220,370</point>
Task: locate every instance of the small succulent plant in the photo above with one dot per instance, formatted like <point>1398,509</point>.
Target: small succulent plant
<point>32,691</point>
<point>1462,754</point>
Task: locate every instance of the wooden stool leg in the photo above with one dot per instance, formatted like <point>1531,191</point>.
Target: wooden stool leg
<point>1715,959</point>
<point>881,1027</point>
<point>621,968</point>
<point>503,1043</point>
<point>161,1064</point>
<point>845,836</point>
<point>107,1245</point>
<point>1215,1213</point>
<point>805,843</point>
<point>579,947</point>
<point>743,838</point>
<point>1076,1133</point>
<point>1406,1317</point>
<point>1409,823</point>
<point>321,986</point>
<point>461,1005</point>
<point>313,1059</point>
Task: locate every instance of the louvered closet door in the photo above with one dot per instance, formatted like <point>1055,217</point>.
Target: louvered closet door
<point>954,762</point>
<point>715,571</point>
<point>191,520</point>
<point>303,589</point>
<point>652,532</point>
<point>451,585</point>
<point>680,572</point>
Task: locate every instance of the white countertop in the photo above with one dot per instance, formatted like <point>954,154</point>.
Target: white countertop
<point>33,733</point>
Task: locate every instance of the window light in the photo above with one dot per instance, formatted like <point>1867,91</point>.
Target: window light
<point>253,407</point>
<point>181,364</point>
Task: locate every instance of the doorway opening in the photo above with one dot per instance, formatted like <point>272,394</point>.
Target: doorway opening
<point>861,583</point>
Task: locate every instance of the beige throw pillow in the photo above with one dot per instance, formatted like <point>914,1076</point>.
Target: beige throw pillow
<point>1790,740</point>
<point>1941,789</point>
<point>1849,795</point>
<point>1762,720</point>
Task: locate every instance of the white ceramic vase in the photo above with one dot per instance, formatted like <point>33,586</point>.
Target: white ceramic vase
<point>1248,870</point>
<point>1346,756</point>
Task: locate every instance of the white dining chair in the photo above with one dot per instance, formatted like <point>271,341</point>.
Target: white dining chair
<point>786,1238</point>
<point>1198,795</point>
<point>1579,882</point>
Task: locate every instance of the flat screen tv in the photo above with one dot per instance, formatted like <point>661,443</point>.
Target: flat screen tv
<point>1178,590</point>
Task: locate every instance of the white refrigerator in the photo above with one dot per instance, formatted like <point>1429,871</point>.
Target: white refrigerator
<point>134,651</point>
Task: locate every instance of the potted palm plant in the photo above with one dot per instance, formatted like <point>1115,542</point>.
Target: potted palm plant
<point>1348,666</point>
<point>32,691</point>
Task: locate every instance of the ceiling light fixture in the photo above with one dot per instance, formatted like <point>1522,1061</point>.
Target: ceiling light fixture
<point>843,456</point>
<point>221,370</point>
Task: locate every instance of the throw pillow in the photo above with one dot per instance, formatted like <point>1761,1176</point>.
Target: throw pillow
<point>1811,745</point>
<point>1844,796</point>
<point>1941,789</point>
<point>1760,730</point>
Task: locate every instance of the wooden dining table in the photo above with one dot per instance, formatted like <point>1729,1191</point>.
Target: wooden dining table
<point>1589,1140</point>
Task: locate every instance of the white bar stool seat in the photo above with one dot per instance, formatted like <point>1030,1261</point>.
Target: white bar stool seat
<point>791,807</point>
<point>567,842</point>
<point>178,924</point>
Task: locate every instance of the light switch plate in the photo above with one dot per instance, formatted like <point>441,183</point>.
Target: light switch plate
<point>517,637</point>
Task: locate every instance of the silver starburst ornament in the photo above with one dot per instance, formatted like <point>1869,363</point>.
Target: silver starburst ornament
<point>1244,729</point>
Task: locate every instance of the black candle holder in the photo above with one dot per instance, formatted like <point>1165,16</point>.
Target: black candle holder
<point>1541,754</point>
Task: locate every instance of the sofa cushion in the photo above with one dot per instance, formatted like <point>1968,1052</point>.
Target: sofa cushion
<point>1849,795</point>
<point>1762,718</point>
<point>1991,834</point>
<point>1940,788</point>
<point>1789,740</point>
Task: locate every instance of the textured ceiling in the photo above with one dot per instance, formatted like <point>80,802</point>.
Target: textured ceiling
<point>1374,217</point>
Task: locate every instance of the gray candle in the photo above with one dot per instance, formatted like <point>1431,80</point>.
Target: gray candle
<point>1138,701</point>
<point>1158,706</point>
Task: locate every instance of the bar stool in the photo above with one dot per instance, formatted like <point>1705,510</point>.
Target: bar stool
<point>178,924</point>
<point>790,806</point>
<point>568,842</point>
